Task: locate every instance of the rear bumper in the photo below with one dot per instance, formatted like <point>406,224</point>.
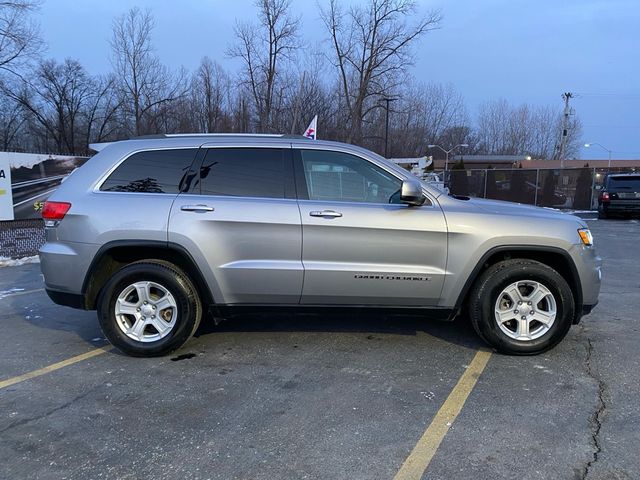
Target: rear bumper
<point>65,264</point>
<point>621,206</point>
<point>67,299</point>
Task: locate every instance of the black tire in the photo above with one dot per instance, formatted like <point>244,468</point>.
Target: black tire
<point>189,308</point>
<point>602,214</point>
<point>494,280</point>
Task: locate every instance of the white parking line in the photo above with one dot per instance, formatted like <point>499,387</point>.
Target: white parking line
<point>14,292</point>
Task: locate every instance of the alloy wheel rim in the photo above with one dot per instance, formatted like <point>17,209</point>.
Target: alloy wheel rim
<point>525,310</point>
<point>146,311</point>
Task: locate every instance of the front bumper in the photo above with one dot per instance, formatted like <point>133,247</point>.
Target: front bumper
<point>586,310</point>
<point>588,266</point>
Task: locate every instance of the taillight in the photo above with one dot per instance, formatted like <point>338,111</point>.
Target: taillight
<point>55,210</point>
<point>604,196</point>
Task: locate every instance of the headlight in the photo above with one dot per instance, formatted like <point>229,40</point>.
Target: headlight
<point>585,236</point>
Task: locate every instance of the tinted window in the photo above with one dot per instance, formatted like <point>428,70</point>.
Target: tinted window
<point>243,172</point>
<point>154,171</point>
<point>630,182</point>
<point>343,177</point>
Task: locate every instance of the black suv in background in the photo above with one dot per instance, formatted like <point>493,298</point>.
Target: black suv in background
<point>620,195</point>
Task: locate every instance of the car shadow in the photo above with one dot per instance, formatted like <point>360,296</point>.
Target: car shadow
<point>85,325</point>
<point>458,332</point>
<point>24,300</point>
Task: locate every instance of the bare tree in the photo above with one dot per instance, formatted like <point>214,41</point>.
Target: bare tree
<point>19,34</point>
<point>210,88</point>
<point>504,129</point>
<point>64,108</point>
<point>102,110</point>
<point>12,121</point>
<point>145,83</point>
<point>426,114</point>
<point>372,49</point>
<point>263,49</point>
<point>55,99</point>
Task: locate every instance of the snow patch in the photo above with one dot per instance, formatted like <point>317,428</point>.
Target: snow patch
<point>16,262</point>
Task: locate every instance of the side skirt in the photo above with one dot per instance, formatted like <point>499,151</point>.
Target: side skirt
<point>431,313</point>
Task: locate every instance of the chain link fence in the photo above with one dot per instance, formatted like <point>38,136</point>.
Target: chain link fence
<point>21,238</point>
<point>568,188</point>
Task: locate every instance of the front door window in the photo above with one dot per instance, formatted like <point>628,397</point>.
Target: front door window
<point>336,176</point>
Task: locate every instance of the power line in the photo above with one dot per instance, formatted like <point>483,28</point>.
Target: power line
<point>612,126</point>
<point>620,95</point>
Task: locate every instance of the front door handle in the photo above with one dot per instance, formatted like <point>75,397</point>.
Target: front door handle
<point>325,213</point>
<point>196,208</point>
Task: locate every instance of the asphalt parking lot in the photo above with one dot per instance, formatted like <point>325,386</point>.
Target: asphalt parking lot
<point>309,397</point>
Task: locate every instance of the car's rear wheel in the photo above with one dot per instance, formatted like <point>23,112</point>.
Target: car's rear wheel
<point>149,308</point>
<point>521,307</point>
<point>602,213</point>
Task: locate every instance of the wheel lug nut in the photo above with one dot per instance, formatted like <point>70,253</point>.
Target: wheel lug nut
<point>523,317</point>
<point>154,307</point>
<point>516,312</point>
<point>143,318</point>
<point>528,303</point>
<point>519,303</point>
<point>153,316</point>
<point>531,312</point>
<point>146,303</point>
<point>138,309</point>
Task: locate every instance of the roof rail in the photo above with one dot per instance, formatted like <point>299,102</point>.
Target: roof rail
<point>177,135</point>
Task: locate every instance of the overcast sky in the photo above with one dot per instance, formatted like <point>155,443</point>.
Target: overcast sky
<point>521,50</point>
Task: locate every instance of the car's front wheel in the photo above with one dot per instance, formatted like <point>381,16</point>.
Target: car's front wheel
<point>521,307</point>
<point>149,308</point>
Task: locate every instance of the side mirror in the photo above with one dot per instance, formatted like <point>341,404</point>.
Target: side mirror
<point>411,193</point>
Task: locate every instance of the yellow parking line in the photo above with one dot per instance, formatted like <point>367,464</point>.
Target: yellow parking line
<point>53,367</point>
<point>418,460</point>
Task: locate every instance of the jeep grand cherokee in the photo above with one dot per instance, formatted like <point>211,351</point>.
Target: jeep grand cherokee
<point>156,233</point>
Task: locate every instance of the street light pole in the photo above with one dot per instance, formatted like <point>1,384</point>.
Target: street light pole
<point>447,152</point>
<point>587,145</point>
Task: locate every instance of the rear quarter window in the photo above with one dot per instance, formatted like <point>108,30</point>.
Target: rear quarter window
<point>152,171</point>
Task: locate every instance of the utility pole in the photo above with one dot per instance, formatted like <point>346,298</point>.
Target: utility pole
<point>386,129</point>
<point>565,127</point>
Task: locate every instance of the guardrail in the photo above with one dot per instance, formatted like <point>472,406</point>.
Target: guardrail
<point>31,190</point>
<point>26,183</point>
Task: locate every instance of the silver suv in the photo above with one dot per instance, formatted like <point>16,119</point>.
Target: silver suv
<point>155,233</point>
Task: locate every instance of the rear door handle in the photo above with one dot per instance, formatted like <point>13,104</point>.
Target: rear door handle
<point>196,208</point>
<point>325,213</point>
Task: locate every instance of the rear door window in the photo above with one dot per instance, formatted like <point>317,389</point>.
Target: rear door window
<point>244,172</point>
<point>152,171</point>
